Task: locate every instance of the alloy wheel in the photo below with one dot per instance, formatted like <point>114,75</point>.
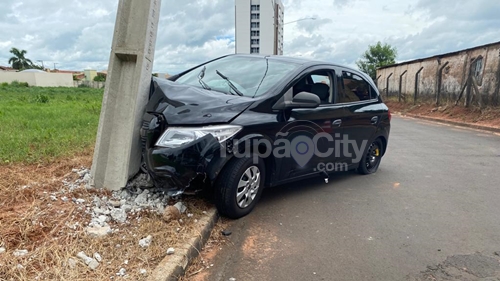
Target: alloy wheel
<point>248,187</point>
<point>373,156</point>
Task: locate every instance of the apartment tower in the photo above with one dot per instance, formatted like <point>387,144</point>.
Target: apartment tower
<point>259,27</point>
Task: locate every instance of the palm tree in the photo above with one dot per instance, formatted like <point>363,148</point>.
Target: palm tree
<point>19,61</point>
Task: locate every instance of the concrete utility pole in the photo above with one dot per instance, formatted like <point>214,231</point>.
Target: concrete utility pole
<point>117,152</point>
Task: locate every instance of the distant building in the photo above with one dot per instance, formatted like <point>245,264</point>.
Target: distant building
<point>90,74</point>
<point>77,75</point>
<point>6,68</point>
<point>259,26</point>
<point>446,76</point>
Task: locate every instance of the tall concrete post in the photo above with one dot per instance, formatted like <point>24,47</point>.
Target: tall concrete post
<point>117,152</point>
<point>400,93</point>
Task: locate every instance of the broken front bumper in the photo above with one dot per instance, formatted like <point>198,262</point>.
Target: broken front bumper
<point>188,167</point>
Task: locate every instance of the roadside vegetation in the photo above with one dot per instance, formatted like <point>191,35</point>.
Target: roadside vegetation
<point>47,137</point>
<point>42,124</point>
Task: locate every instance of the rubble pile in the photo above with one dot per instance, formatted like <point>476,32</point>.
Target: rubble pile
<point>139,195</point>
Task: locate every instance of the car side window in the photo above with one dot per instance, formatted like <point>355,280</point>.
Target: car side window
<point>317,78</point>
<point>354,88</point>
<point>319,83</point>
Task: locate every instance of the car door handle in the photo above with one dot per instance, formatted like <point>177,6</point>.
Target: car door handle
<point>374,120</point>
<point>337,123</point>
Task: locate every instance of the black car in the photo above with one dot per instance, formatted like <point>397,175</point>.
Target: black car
<point>239,123</point>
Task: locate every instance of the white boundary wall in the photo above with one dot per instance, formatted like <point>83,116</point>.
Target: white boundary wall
<point>39,79</point>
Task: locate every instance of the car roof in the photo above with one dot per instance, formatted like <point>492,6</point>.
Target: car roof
<point>298,60</point>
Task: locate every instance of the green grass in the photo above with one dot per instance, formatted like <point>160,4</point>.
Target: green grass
<point>41,124</point>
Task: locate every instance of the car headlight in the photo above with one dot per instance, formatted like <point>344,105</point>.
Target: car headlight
<point>176,136</point>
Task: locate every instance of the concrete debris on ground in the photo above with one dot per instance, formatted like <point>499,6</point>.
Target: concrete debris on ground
<point>2,250</point>
<point>98,231</point>
<point>121,272</point>
<point>71,263</point>
<point>118,215</point>
<point>20,253</point>
<point>78,200</point>
<point>139,195</point>
<point>90,262</point>
<point>145,242</point>
<point>143,271</point>
<point>181,207</point>
<point>73,226</point>
<point>170,251</point>
<point>97,257</point>
<point>84,179</point>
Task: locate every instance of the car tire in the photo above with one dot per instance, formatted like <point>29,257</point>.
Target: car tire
<point>371,159</point>
<point>239,187</point>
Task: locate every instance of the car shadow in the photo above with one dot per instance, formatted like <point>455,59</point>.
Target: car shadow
<point>314,184</point>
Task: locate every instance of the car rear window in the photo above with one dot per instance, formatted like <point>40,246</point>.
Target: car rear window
<point>355,88</point>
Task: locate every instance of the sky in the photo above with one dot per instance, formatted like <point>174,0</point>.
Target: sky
<point>77,34</point>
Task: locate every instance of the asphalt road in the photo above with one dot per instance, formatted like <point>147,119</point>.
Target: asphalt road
<point>431,211</point>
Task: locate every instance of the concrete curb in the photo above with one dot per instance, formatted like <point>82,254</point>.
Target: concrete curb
<point>174,266</point>
<point>455,123</point>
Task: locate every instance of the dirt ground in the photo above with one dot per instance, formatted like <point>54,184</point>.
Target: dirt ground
<point>52,230</point>
<point>489,117</point>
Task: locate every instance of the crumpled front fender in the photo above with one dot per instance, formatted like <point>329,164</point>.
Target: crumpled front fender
<point>177,168</point>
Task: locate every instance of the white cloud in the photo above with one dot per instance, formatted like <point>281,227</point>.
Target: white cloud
<point>99,13</point>
<point>77,34</point>
<point>5,44</point>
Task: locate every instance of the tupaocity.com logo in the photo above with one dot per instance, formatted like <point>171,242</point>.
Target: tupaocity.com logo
<point>302,140</point>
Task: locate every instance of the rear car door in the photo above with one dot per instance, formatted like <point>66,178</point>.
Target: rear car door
<point>363,113</point>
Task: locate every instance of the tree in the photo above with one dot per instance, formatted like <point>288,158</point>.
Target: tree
<point>100,78</point>
<point>19,61</point>
<point>377,56</point>
<point>36,66</point>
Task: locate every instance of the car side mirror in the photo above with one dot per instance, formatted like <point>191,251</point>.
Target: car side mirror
<point>305,100</point>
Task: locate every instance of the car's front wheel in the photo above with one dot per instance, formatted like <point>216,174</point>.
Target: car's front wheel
<point>239,186</point>
<point>371,160</point>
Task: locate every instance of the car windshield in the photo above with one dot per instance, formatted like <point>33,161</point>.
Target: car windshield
<point>251,76</point>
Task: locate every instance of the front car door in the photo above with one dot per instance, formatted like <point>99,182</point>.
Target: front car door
<point>306,124</point>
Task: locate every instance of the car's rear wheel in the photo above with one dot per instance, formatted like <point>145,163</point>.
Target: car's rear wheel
<point>371,160</point>
<point>239,186</point>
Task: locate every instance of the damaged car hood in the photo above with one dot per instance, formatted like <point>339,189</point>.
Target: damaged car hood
<point>184,104</point>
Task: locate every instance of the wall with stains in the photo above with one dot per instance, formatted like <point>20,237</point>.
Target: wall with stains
<point>455,68</point>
